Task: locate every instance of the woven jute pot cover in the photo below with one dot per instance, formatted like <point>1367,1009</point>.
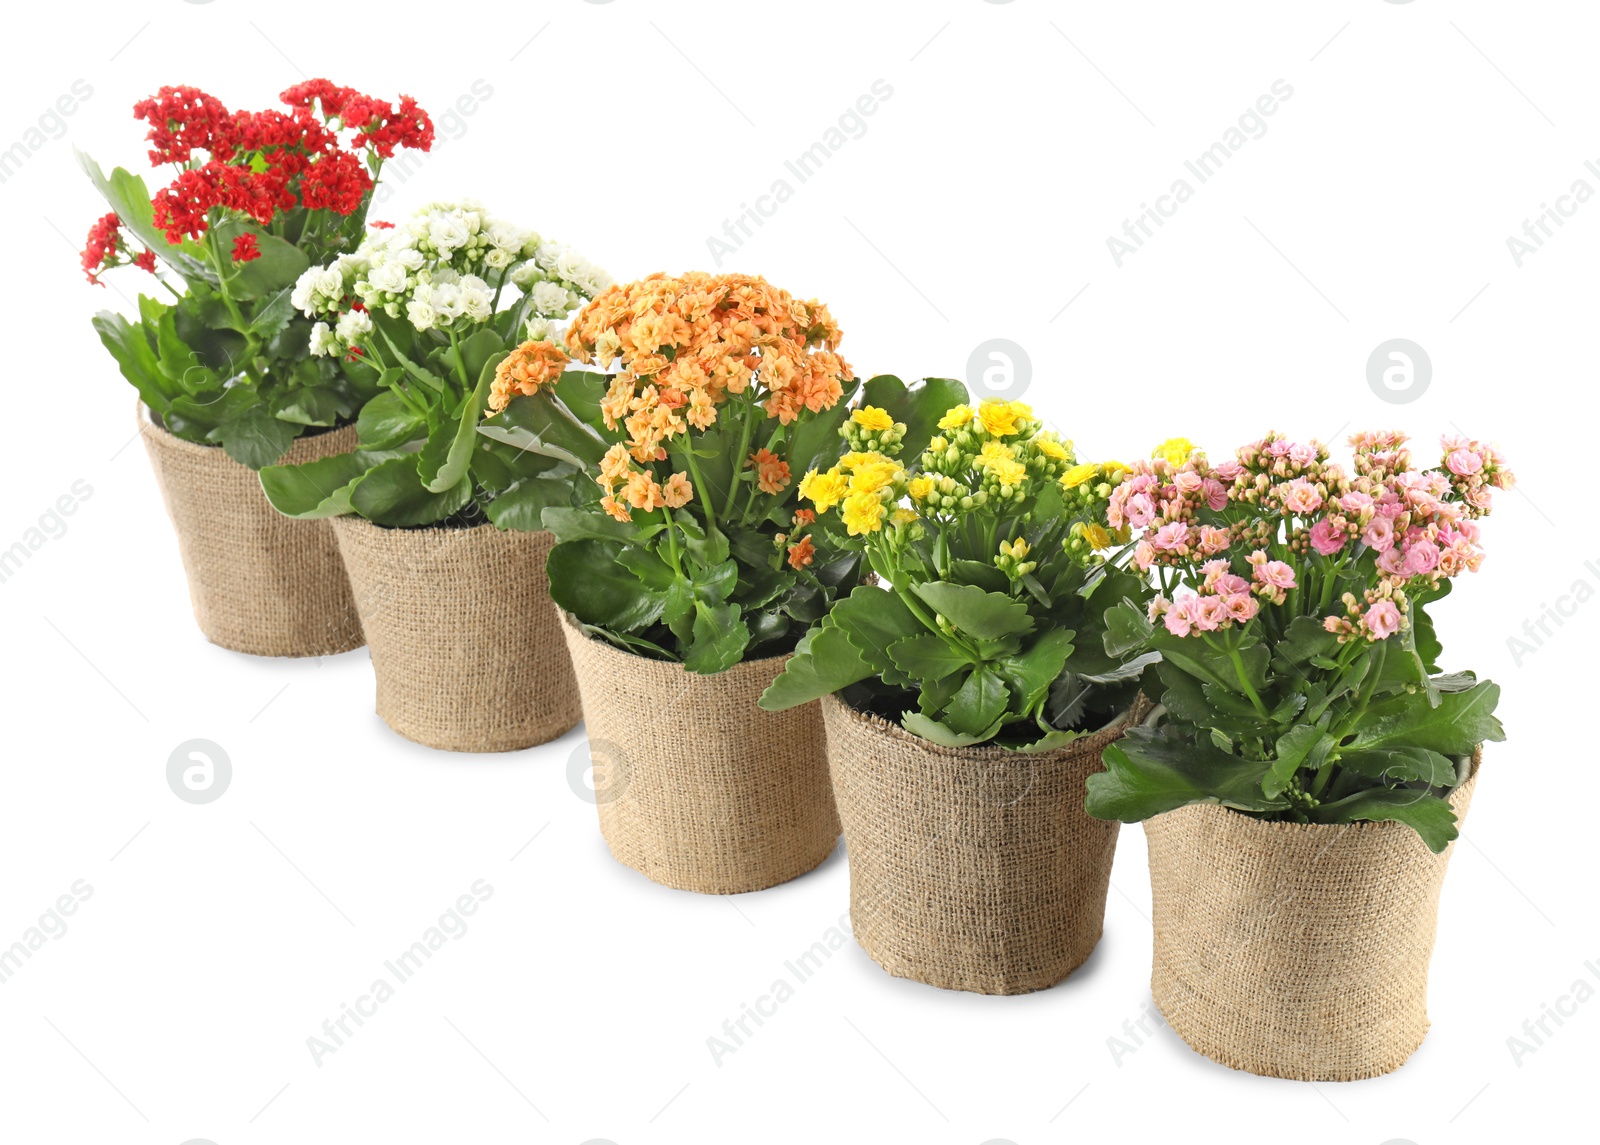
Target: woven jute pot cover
<point>466,643</point>
<point>703,790</point>
<point>1295,950</point>
<point>970,868</point>
<point>260,582</point>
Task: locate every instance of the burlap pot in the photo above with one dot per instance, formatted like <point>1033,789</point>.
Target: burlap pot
<point>260,582</point>
<point>705,791</point>
<point>970,868</point>
<point>465,641</point>
<point>1295,950</point>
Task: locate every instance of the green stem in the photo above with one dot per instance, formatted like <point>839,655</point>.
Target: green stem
<point>739,459</point>
<point>1244,682</point>
<point>700,487</point>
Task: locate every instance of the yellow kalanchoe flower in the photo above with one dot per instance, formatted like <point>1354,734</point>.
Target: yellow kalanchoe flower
<point>872,472</point>
<point>1016,550</point>
<point>824,490</point>
<point>863,513</point>
<point>1095,534</point>
<point>920,488</point>
<point>956,417</point>
<point>1174,450</point>
<point>1052,448</point>
<point>904,516</point>
<point>999,418</point>
<point>872,418</point>
<point>1078,474</point>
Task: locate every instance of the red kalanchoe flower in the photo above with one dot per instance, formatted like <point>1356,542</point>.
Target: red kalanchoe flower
<point>245,248</point>
<point>145,260</point>
<point>183,119</point>
<point>100,251</point>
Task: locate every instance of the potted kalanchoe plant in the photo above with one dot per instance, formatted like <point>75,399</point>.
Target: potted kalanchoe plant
<point>681,581</point>
<point>220,359</point>
<point>1310,763</point>
<point>438,524</point>
<point>969,693</point>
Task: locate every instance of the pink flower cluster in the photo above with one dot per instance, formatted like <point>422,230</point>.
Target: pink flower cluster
<point>1167,500</point>
<point>1222,598</point>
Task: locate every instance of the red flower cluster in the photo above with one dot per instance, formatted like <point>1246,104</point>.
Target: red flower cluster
<point>245,248</point>
<point>107,248</point>
<point>260,163</point>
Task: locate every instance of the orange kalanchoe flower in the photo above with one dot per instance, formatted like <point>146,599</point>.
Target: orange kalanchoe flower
<point>772,472</point>
<point>801,553</point>
<point>687,343</point>
<point>525,369</point>
<point>678,491</point>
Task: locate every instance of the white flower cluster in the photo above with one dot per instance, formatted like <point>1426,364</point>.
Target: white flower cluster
<point>443,269</point>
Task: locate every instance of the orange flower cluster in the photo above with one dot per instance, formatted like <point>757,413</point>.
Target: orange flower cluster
<point>627,488</point>
<point>525,369</point>
<point>687,343</point>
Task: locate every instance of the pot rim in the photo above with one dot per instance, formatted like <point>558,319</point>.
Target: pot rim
<point>1368,825</point>
<point>980,751</point>
<point>572,623</point>
<point>145,417</point>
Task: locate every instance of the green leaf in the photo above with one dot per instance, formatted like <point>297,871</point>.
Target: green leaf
<point>926,658</point>
<point>318,489</point>
<point>1128,629</point>
<point>1457,726</point>
<point>444,461</point>
<point>720,638</point>
<point>651,570</point>
<point>980,702</point>
<point>875,619</point>
<point>522,506</point>
<point>1030,673</point>
<point>570,523</point>
<point>273,315</point>
<point>587,581</point>
<point>825,661</point>
<point>1148,773</point>
<point>1304,640</point>
<point>1430,816</point>
<point>277,268</point>
<point>983,615</point>
<point>308,405</point>
<point>542,424</point>
<point>1293,747</point>
<point>387,421</point>
<point>255,438</point>
<point>1402,765</point>
<point>393,494</point>
<point>930,729</point>
<point>985,576</point>
<point>130,349</point>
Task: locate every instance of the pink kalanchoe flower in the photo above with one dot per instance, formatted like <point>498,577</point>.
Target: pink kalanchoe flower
<point>1301,497</point>
<point>1144,555</point>
<point>1275,574</point>
<point>1158,605</point>
<point>1209,612</point>
<point>1421,557</point>
<point>1380,534</point>
<point>1302,454</point>
<point>1177,617</point>
<point>1228,470</point>
<point>1463,462</point>
<point>1393,562</point>
<point>1188,482</point>
<point>1382,620</point>
<point>1354,502</point>
<point>1240,606</point>
<point>1327,538</point>
<point>1140,510</point>
<point>1172,537</point>
<point>1216,494</point>
<point>1213,540</point>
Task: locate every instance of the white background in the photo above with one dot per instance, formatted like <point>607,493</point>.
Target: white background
<point>976,205</point>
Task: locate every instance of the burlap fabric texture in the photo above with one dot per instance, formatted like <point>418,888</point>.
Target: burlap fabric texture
<point>697,787</point>
<point>1295,950</point>
<point>260,582</point>
<point>466,643</point>
<point>971,868</point>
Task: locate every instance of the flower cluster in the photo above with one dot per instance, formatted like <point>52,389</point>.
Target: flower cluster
<point>531,365</point>
<point>865,486</point>
<point>443,270</point>
<point>260,163</point>
<point>107,249</point>
<point>1277,498</point>
<point>628,486</point>
<point>688,344</point>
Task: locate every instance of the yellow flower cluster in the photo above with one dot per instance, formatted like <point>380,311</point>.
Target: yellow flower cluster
<point>864,485</point>
<point>686,343</point>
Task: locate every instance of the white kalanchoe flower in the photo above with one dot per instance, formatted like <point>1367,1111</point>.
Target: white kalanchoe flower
<point>540,330</point>
<point>324,343</point>
<point>550,300</point>
<point>354,326</point>
<point>525,274</point>
<point>477,298</point>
